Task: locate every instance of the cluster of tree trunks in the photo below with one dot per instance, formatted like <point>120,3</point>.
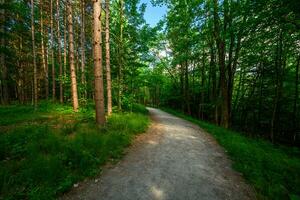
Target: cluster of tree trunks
<point>56,50</point>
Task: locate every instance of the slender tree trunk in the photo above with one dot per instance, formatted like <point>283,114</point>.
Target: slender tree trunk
<point>35,89</point>
<point>202,85</point>
<point>5,96</point>
<point>52,51</point>
<point>120,74</point>
<point>187,89</point>
<point>46,69</point>
<point>221,54</point>
<point>61,96</point>
<point>83,79</point>
<point>107,48</point>
<point>214,79</point>
<point>71,54</point>
<point>231,73</point>
<point>99,89</point>
<point>261,86</point>
<point>295,110</point>
<point>278,86</point>
<point>65,43</point>
<point>43,53</point>
<point>182,88</point>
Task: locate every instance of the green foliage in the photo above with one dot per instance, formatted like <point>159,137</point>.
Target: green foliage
<point>138,108</point>
<point>39,161</point>
<point>235,58</point>
<point>274,171</point>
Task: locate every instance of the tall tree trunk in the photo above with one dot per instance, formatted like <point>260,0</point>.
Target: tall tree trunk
<point>232,69</point>
<point>52,51</point>
<point>35,89</point>
<point>187,92</point>
<point>182,88</point>
<point>65,43</point>
<point>214,79</point>
<point>202,86</point>
<point>221,54</point>
<point>5,99</point>
<point>43,52</point>
<point>61,96</point>
<point>107,48</point>
<point>278,85</point>
<point>99,89</point>
<point>120,74</point>
<point>71,54</point>
<point>47,68</point>
<point>83,79</point>
<point>295,110</point>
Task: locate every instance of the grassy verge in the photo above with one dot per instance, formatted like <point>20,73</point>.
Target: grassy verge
<point>42,154</point>
<point>274,171</point>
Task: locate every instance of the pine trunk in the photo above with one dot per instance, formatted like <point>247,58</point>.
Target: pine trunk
<point>107,48</point>
<point>83,79</point>
<point>65,43</point>
<point>99,92</point>
<point>61,96</point>
<point>71,54</point>
<point>43,54</point>
<point>52,51</point>
<point>5,99</point>
<point>35,89</point>
<point>120,74</point>
<point>295,110</point>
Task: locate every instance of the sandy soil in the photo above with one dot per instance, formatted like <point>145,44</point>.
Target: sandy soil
<point>175,159</point>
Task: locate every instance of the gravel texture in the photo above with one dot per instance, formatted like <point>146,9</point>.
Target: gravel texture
<point>174,159</point>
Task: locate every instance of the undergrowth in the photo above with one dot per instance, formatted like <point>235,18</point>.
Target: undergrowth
<point>43,153</point>
<point>274,171</point>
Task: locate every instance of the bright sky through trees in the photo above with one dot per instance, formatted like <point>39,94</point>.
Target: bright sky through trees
<point>153,13</point>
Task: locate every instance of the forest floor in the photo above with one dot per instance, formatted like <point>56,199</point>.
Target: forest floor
<point>44,153</point>
<point>175,159</point>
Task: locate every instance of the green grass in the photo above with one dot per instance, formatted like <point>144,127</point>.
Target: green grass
<point>43,153</point>
<point>274,171</point>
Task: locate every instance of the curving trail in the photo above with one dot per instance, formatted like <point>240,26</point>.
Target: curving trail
<point>175,159</point>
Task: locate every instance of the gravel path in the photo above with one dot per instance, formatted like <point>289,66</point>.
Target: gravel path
<point>175,159</point>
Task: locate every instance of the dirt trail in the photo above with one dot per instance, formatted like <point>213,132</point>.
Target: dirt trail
<point>175,159</point>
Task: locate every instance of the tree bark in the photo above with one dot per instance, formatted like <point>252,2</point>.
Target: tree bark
<point>202,86</point>
<point>43,52</point>
<point>65,43</point>
<point>83,79</point>
<point>61,96</point>
<point>278,85</point>
<point>182,88</point>
<point>52,51</point>
<point>120,74</point>
<point>99,89</point>
<point>35,89</point>
<point>214,79</point>
<point>221,53</point>
<point>5,96</point>
<point>295,110</point>
<point>187,89</point>
<point>107,48</point>
<point>71,54</point>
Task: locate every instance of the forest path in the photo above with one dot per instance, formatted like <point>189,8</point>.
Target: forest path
<point>175,159</point>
